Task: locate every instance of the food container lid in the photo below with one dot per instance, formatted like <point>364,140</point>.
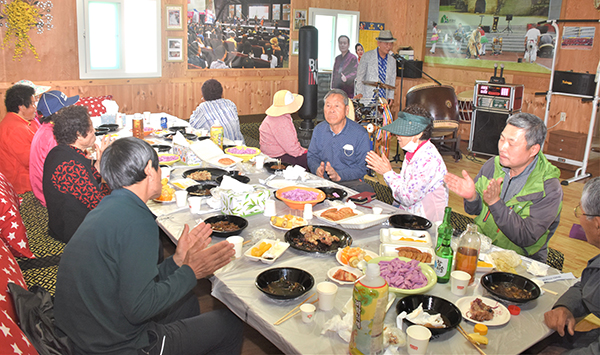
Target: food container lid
<point>514,310</point>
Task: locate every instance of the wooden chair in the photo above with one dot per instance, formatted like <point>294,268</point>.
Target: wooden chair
<point>384,193</point>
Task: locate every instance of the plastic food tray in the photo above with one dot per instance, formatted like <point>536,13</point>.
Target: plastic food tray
<point>364,221</point>
<point>282,247</point>
<point>390,250</point>
<point>318,215</point>
<point>421,238</point>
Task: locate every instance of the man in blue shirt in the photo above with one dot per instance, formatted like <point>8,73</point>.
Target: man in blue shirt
<point>339,145</point>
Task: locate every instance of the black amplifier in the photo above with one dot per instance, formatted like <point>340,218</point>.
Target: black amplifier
<point>574,83</point>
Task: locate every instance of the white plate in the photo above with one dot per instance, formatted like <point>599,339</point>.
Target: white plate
<point>215,161</point>
<point>318,215</point>
<point>351,270</point>
<point>280,184</point>
<point>501,314</point>
<point>372,254</point>
<point>280,246</point>
<point>286,229</point>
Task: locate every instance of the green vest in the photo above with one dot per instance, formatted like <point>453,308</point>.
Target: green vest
<point>543,171</point>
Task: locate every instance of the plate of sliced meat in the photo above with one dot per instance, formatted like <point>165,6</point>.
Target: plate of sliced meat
<point>343,275</point>
<point>483,310</point>
<point>318,239</point>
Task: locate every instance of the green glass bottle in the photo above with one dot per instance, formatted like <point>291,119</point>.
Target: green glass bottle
<point>443,251</point>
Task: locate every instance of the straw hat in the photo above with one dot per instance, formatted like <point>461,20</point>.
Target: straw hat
<point>407,125</point>
<point>285,102</point>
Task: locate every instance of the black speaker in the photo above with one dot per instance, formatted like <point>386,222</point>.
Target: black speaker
<point>509,17</point>
<point>486,128</point>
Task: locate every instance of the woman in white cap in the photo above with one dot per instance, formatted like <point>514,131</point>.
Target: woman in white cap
<point>419,187</point>
<point>278,136</point>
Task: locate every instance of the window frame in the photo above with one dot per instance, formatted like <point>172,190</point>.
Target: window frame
<point>85,70</point>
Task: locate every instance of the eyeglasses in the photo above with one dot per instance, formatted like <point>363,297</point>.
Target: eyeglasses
<point>578,212</point>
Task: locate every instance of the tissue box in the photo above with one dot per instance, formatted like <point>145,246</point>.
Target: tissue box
<point>186,155</point>
<point>108,118</point>
<point>244,204</point>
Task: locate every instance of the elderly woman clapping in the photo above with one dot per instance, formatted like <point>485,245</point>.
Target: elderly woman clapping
<point>71,181</point>
<point>419,187</point>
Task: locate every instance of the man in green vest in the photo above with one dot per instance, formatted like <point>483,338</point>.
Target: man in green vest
<point>516,196</point>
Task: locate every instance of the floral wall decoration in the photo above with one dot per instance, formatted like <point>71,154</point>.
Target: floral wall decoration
<point>18,17</point>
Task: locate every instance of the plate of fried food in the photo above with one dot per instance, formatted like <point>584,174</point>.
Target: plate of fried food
<point>167,193</point>
<point>318,239</point>
<point>204,174</point>
<point>287,222</point>
<point>352,256</point>
<point>424,254</point>
<point>344,275</point>
<point>337,215</point>
<point>483,310</point>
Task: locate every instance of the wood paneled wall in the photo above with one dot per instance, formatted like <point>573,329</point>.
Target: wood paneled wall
<point>178,90</point>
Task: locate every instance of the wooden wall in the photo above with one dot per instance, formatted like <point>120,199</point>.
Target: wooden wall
<point>178,90</point>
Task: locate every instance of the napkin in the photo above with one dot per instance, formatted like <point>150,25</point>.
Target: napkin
<point>178,138</point>
<point>342,326</point>
<point>537,269</point>
<point>230,183</point>
<point>294,172</point>
<point>418,316</point>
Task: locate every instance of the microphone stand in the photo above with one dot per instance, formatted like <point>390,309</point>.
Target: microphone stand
<point>404,62</point>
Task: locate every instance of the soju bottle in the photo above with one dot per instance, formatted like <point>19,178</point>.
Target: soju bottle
<point>443,252</point>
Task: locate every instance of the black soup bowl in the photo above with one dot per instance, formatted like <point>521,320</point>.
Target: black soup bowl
<point>284,282</point>
<point>242,223</point>
<point>501,284</point>
<point>410,221</point>
<point>432,305</point>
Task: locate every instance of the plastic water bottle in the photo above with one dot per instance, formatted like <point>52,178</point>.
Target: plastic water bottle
<point>370,298</point>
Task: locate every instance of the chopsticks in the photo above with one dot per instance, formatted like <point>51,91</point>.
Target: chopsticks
<point>462,331</point>
<point>283,319</point>
<point>289,314</point>
<point>549,291</point>
<point>246,242</point>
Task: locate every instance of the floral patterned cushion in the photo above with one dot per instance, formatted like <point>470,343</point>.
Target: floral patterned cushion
<point>94,104</point>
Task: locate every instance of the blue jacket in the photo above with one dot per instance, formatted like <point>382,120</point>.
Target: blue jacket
<point>325,146</point>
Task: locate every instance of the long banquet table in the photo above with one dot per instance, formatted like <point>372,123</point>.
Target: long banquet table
<point>234,286</point>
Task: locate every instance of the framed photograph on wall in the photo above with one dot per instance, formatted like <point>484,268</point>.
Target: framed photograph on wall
<point>299,19</point>
<point>295,47</point>
<point>175,49</point>
<point>276,12</point>
<point>174,19</point>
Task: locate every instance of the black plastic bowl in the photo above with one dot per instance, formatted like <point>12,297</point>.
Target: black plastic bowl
<point>410,221</point>
<point>270,166</point>
<point>432,305</point>
<point>290,274</point>
<point>111,126</point>
<point>177,128</point>
<point>161,147</point>
<point>497,278</point>
<point>100,131</point>
<point>201,190</point>
<point>239,221</point>
<point>329,193</point>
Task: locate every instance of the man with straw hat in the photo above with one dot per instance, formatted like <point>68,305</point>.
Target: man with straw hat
<point>377,65</point>
<point>278,136</point>
<point>419,187</point>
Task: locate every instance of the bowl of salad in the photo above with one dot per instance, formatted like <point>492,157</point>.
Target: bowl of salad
<point>298,196</point>
<point>243,152</point>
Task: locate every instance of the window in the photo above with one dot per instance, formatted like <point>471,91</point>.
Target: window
<point>119,38</point>
<point>331,24</point>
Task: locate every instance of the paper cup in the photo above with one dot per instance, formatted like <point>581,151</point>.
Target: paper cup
<point>307,213</point>
<point>180,197</point>
<point>270,210</point>
<point>260,161</point>
<point>237,242</point>
<point>377,210</point>
<point>418,339</point>
<point>165,173</point>
<point>326,291</point>
<point>459,280</point>
<point>308,312</point>
<point>195,203</point>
